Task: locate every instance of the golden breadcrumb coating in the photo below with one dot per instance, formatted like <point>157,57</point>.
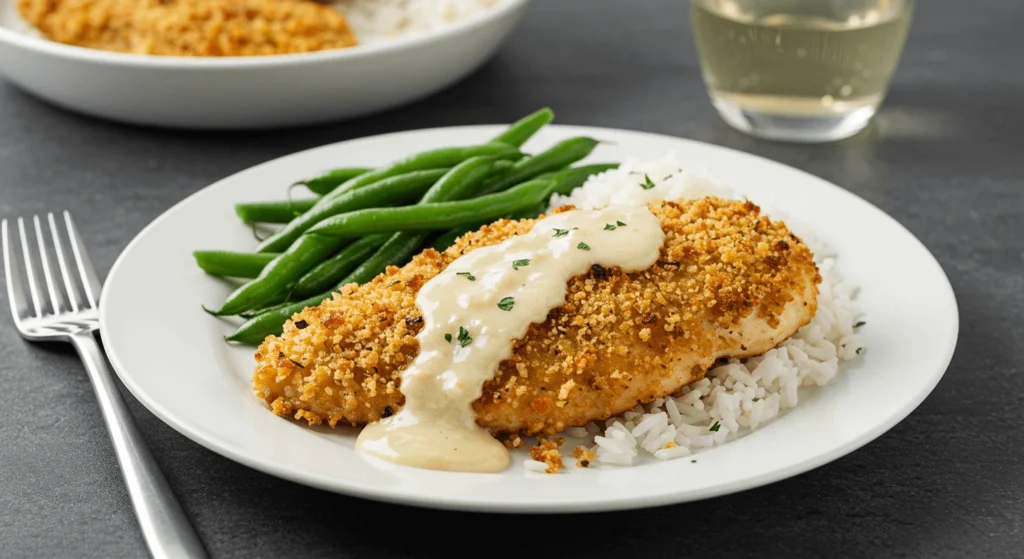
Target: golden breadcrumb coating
<point>546,450</point>
<point>728,283</point>
<point>191,27</point>
<point>584,456</point>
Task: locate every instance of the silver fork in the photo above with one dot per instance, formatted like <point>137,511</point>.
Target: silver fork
<point>63,307</point>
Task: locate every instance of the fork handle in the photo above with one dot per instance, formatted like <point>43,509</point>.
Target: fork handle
<point>166,529</point>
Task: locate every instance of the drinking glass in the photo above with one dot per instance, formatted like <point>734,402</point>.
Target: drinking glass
<point>799,70</point>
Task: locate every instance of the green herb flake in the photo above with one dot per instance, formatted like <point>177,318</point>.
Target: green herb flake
<point>507,303</point>
<point>516,264</point>
<point>561,233</point>
<point>468,275</point>
<point>464,339</point>
<point>583,246</point>
<point>648,183</point>
<point>609,227</point>
<point>859,324</point>
<point>620,224</point>
<point>448,338</point>
<point>714,428</point>
<point>859,349</point>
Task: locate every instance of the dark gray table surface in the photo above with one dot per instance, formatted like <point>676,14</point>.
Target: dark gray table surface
<point>944,158</point>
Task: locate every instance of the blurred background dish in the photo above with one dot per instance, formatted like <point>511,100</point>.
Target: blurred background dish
<point>162,64</point>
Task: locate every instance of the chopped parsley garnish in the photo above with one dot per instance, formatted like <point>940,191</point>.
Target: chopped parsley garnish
<point>561,233</point>
<point>859,324</point>
<point>468,275</point>
<point>507,303</point>
<point>583,246</point>
<point>648,183</point>
<point>620,224</point>
<point>448,338</point>
<point>464,339</point>
<point>859,349</point>
<point>609,227</point>
<point>714,428</point>
<point>516,264</point>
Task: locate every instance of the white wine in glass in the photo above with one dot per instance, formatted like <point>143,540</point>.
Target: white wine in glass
<point>799,70</point>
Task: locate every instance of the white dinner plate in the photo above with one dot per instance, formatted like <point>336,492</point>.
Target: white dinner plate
<point>250,91</point>
<point>170,354</point>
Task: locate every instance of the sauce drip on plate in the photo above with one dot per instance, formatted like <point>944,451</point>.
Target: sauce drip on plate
<point>475,309</point>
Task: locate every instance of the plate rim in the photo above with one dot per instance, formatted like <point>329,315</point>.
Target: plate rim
<point>507,8</point>
<point>338,485</point>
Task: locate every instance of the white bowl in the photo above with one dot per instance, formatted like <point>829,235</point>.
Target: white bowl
<point>250,92</point>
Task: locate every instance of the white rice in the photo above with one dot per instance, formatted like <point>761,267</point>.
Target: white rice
<point>742,395</point>
<point>378,20</point>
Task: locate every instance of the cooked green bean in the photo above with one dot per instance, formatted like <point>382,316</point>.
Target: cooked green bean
<point>435,159</point>
<point>270,323</point>
<point>327,207</point>
<point>232,264</point>
<point>449,188</point>
<point>568,179</point>
<point>385,192</point>
<point>449,237</point>
<point>256,312</point>
<point>560,155</point>
<point>574,177</point>
<point>443,215</point>
<point>333,179</point>
<point>396,252</point>
<point>462,181</point>
<point>399,248</point>
<point>501,168</point>
<point>524,128</point>
<point>310,250</point>
<point>342,213</point>
<point>280,273</point>
<point>529,212</point>
<point>331,271</point>
<point>281,211</point>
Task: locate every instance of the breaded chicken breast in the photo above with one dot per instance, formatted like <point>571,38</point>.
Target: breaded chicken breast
<point>191,27</point>
<point>729,283</point>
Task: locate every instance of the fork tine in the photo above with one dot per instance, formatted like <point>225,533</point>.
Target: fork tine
<point>57,299</point>
<point>90,280</point>
<point>62,262</point>
<point>12,273</point>
<point>34,287</point>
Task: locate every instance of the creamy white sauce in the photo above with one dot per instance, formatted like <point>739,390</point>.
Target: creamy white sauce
<point>513,285</point>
